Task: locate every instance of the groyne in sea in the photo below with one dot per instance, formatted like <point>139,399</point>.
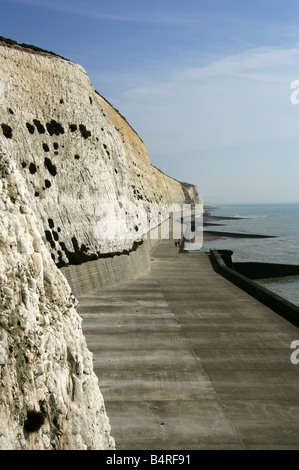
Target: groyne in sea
<point>270,261</point>
<point>259,270</point>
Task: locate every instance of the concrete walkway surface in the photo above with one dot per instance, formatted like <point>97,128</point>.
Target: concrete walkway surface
<point>186,360</point>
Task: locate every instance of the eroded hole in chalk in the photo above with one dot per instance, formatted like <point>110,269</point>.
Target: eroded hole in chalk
<point>73,127</point>
<point>39,126</point>
<point>50,167</point>
<point>54,127</point>
<point>32,168</point>
<point>34,421</point>
<point>84,132</point>
<point>51,223</point>
<point>7,131</point>
<point>30,127</point>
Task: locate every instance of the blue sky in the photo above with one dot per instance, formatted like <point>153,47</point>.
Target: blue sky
<point>205,83</point>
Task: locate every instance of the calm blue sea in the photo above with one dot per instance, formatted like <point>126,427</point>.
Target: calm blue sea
<point>281,220</point>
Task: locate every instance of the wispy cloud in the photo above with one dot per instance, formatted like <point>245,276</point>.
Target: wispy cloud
<point>249,62</point>
<point>240,99</point>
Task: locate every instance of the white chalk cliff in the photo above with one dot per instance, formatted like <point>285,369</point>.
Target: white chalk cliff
<point>64,152</point>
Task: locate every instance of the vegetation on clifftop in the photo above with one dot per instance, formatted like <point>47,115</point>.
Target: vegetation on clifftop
<point>29,47</point>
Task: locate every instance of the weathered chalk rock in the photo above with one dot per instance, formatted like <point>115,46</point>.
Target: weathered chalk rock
<point>82,163</point>
<point>45,365</point>
<point>70,167</point>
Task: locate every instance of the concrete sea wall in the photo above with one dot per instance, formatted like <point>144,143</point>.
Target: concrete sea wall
<point>280,305</point>
<point>94,275</point>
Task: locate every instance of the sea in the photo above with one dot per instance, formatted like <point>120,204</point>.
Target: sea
<point>278,220</point>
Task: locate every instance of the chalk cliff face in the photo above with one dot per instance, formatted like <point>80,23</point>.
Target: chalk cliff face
<point>79,159</point>
<point>70,166</point>
<point>45,366</point>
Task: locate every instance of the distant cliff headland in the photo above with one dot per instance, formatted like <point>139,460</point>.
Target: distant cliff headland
<point>64,151</point>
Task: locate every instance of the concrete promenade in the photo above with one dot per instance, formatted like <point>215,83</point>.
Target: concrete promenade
<point>186,360</point>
